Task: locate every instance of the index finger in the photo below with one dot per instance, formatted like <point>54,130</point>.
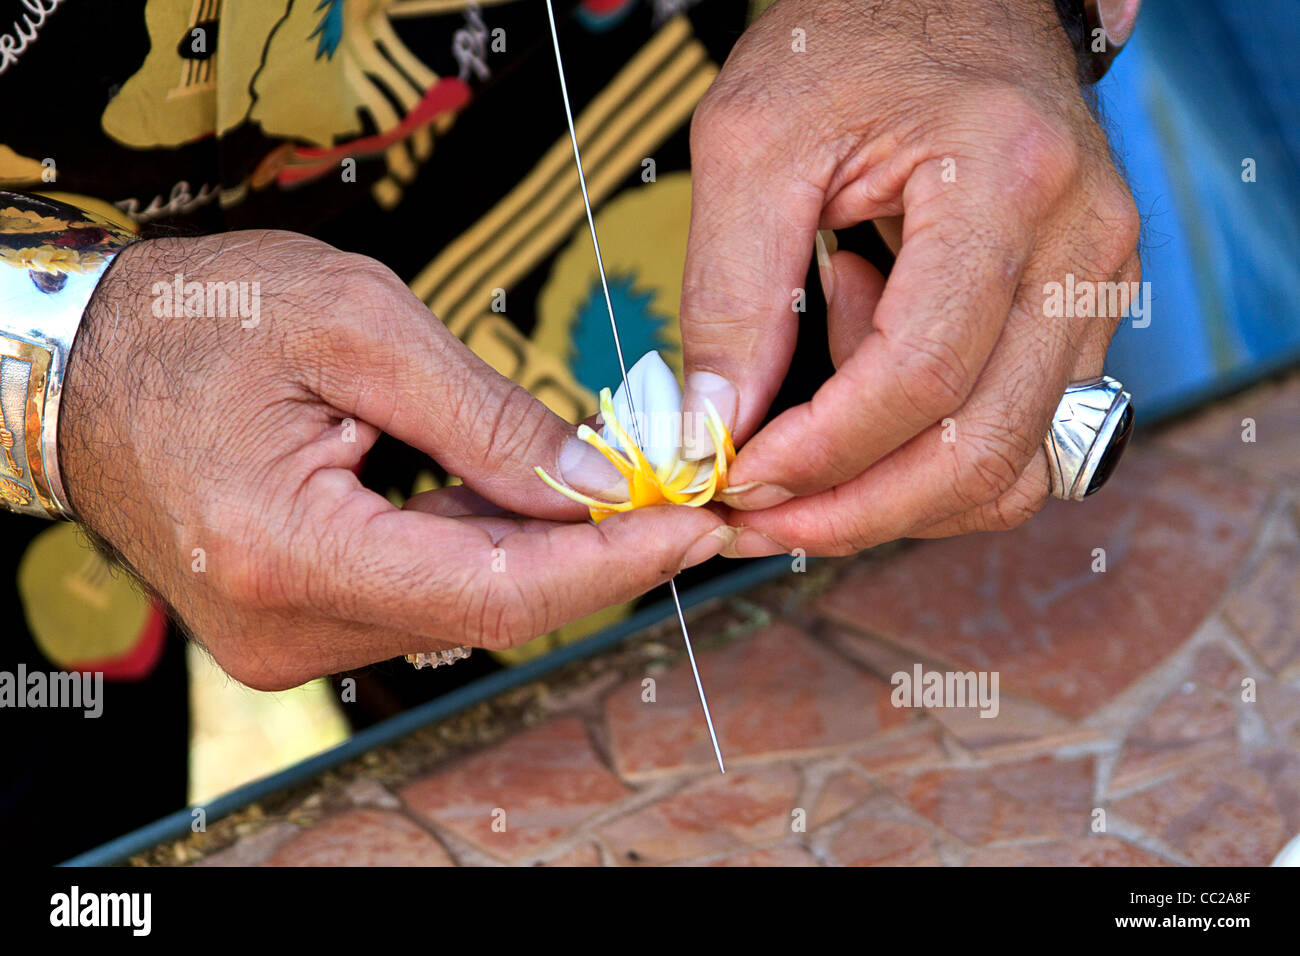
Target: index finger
<point>942,310</point>
<point>753,219</point>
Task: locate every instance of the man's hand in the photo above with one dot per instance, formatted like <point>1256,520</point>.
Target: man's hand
<point>965,120</point>
<point>218,456</point>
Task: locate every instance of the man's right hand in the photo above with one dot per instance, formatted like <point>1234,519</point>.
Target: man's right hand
<point>218,456</point>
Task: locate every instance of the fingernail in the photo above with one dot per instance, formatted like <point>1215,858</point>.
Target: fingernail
<point>587,470</point>
<point>715,542</point>
<point>826,244</point>
<point>696,442</point>
<point>754,496</point>
<point>751,544</point>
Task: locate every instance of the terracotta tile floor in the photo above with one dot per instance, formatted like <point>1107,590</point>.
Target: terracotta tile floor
<point>1148,713</point>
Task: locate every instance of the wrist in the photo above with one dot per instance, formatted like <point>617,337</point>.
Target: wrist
<point>103,384</point>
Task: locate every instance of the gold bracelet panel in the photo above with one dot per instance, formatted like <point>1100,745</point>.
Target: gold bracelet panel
<point>24,375</point>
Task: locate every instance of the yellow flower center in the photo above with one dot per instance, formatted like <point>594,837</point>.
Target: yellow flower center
<point>680,482</point>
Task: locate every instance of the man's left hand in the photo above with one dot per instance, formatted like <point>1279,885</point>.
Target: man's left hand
<point>964,119</point>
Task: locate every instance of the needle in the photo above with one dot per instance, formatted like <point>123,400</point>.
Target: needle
<point>622,365</point>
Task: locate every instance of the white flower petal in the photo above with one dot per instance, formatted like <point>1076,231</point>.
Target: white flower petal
<point>658,401</point>
<point>702,478</point>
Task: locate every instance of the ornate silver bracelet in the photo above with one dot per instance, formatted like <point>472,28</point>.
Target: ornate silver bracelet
<point>52,256</point>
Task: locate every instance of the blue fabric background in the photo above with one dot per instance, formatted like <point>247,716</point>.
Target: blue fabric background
<point>1201,87</point>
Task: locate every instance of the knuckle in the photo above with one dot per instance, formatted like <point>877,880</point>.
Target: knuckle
<point>515,423</point>
<point>494,611</point>
<point>348,285</point>
<point>275,248</point>
<point>982,481</point>
<point>718,113</point>
<point>729,120</point>
<point>840,543</point>
<point>364,270</point>
<point>506,616</point>
<point>988,466</point>
<point>837,529</point>
<point>821,460</point>
<point>713,124</point>
<point>373,287</point>
<point>1121,228</point>
<point>488,626</point>
<point>1009,511</point>
<point>1042,158</point>
<point>353,303</point>
<point>1014,509</point>
<point>932,376</point>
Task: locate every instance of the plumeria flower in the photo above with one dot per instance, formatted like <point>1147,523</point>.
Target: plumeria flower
<point>653,466</point>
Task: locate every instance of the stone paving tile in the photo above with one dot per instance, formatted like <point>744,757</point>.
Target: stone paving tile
<point>1280,706</point>
<point>773,693</point>
<point>582,698</point>
<point>786,854</point>
<point>878,841</point>
<point>1020,728</point>
<point>585,854</point>
<point>1281,768</point>
<point>253,849</point>
<point>1225,812</point>
<point>840,794</point>
<point>916,746</point>
<point>712,816</point>
<point>1196,721</point>
<point>547,781</point>
<point>362,837</point>
<point>1095,850</point>
<point>1027,604</point>
<point>1215,434</point>
<point>1038,798</point>
<point>1265,610</point>
<point>883,831</point>
<point>367,792</point>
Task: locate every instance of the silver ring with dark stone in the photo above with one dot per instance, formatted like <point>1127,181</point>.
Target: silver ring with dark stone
<point>1089,433</point>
